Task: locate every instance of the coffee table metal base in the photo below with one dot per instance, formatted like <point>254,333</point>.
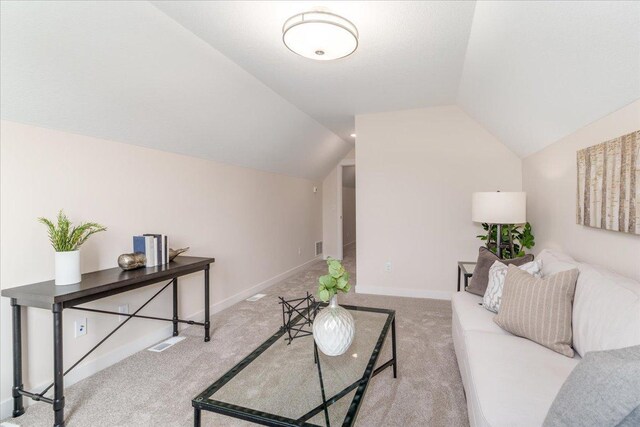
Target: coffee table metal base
<point>202,402</point>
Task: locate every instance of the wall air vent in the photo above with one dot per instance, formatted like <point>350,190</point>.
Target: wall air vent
<point>256,297</point>
<point>318,248</point>
<point>160,347</point>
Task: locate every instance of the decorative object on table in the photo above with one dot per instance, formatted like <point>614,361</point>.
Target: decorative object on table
<point>132,261</point>
<point>608,191</point>
<point>486,258</point>
<point>497,274</point>
<point>499,209</point>
<point>66,241</point>
<point>539,309</point>
<point>333,327</point>
<point>175,252</point>
<point>155,247</point>
<point>304,310</point>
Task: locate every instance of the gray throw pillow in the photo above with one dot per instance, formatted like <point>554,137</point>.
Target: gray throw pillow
<point>486,258</point>
<point>603,390</point>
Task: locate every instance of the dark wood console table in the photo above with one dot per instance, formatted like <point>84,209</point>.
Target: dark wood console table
<point>94,286</point>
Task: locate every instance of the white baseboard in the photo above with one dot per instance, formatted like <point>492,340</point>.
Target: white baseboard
<point>96,365</point>
<point>241,296</point>
<point>403,292</point>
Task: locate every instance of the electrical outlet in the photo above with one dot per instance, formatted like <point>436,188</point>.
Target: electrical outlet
<point>124,309</point>
<point>81,327</point>
<point>299,251</point>
<point>387,266</point>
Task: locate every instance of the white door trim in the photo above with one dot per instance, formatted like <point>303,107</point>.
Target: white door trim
<point>345,162</point>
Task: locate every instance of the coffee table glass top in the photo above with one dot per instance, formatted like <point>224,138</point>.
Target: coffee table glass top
<point>280,381</point>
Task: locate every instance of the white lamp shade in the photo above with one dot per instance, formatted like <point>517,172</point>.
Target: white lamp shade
<point>498,207</point>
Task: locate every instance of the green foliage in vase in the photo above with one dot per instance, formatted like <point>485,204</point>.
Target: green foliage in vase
<point>64,237</point>
<point>522,239</point>
<point>336,281</point>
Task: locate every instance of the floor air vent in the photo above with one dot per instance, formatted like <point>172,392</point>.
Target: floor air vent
<point>160,347</point>
<point>256,297</point>
<point>318,248</point>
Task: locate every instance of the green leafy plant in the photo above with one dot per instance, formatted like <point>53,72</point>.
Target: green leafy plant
<point>64,237</point>
<point>336,281</point>
<point>522,235</point>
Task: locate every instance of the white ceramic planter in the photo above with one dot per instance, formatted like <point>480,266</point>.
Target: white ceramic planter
<point>333,329</point>
<point>67,267</point>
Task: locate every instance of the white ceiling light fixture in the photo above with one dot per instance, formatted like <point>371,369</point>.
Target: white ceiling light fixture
<point>322,36</point>
<point>353,135</point>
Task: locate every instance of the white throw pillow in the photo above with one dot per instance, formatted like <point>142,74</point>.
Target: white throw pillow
<point>553,262</point>
<point>606,311</point>
<point>497,273</point>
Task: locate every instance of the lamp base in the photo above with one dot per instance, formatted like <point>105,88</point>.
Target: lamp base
<point>498,244</point>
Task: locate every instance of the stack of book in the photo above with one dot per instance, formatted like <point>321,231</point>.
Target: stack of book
<point>155,248</point>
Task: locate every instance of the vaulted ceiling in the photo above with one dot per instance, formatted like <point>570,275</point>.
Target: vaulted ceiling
<point>213,79</point>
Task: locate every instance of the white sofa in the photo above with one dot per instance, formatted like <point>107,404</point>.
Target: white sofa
<point>511,381</point>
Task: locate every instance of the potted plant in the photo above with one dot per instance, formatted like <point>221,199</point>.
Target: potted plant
<point>66,241</point>
<point>521,236</point>
<point>333,327</point>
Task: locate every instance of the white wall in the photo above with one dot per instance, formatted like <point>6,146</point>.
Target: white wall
<point>252,222</point>
<point>348,215</point>
<point>330,210</point>
<point>415,175</point>
<point>549,178</point>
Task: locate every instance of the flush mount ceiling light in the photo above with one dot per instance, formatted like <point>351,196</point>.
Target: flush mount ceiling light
<point>322,36</point>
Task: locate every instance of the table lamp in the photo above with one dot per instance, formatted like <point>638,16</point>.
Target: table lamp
<point>498,208</point>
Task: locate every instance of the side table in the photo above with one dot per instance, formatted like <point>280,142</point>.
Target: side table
<point>465,268</point>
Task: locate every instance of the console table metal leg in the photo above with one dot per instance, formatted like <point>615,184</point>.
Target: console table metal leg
<point>18,407</point>
<point>393,348</point>
<point>196,417</point>
<point>175,307</point>
<point>206,304</point>
<point>58,368</point>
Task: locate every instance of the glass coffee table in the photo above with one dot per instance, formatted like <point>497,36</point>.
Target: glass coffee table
<point>292,383</point>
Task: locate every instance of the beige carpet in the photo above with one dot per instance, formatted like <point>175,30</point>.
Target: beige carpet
<point>155,389</point>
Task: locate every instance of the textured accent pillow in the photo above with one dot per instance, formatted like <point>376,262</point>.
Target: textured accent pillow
<point>539,309</point>
<point>497,274</point>
<point>602,390</point>
<point>486,258</point>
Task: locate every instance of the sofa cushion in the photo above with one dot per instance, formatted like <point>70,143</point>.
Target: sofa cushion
<point>603,390</point>
<point>486,258</point>
<point>606,311</point>
<point>472,316</point>
<point>512,381</point>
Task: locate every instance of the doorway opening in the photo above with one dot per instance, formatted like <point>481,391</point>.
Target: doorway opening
<point>347,210</point>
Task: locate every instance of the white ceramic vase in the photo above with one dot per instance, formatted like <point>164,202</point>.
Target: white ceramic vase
<point>68,267</point>
<point>333,329</point>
